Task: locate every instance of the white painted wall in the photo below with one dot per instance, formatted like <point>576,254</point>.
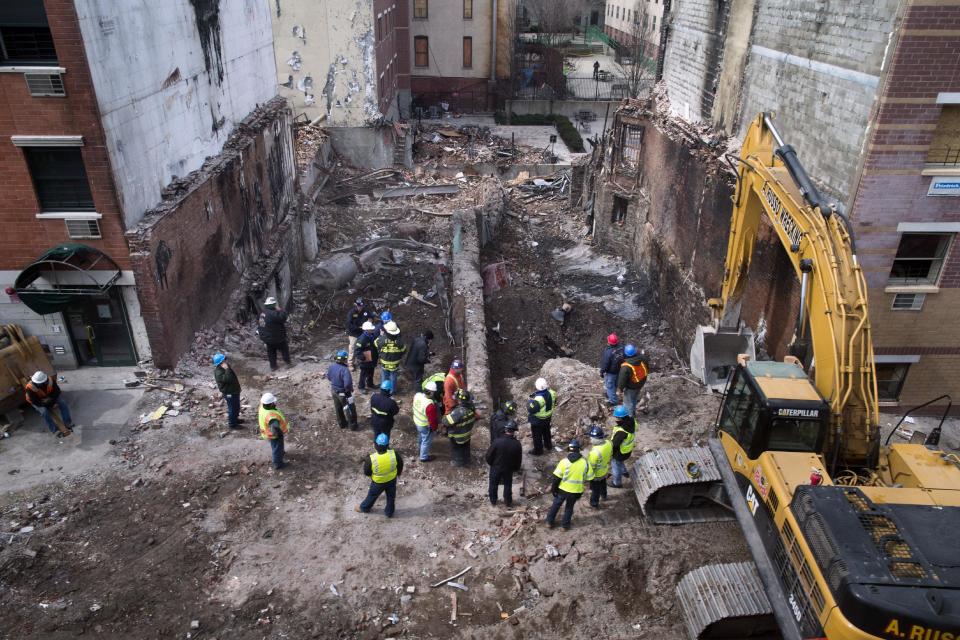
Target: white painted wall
<point>163,112</point>
<point>325,52</point>
<point>446,28</point>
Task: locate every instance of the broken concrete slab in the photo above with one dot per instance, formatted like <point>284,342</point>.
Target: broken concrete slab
<point>425,190</point>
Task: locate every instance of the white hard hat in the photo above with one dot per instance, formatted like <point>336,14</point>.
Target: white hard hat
<point>431,386</point>
<point>39,377</point>
<point>268,398</point>
<point>269,301</point>
<point>541,384</point>
<point>391,328</point>
<point>368,326</point>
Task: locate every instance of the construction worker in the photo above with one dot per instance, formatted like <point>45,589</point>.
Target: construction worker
<point>610,363</point>
<point>357,315</point>
<point>341,387</point>
<point>273,427</point>
<point>418,355</point>
<point>598,458</point>
<point>365,355</point>
<point>632,377</point>
<point>426,417</point>
<point>383,467</point>
<point>498,421</point>
<point>391,350</point>
<point>452,383</point>
<point>458,426</point>
<point>383,408</point>
<point>504,456</point>
<point>44,394</point>
<point>385,317</point>
<point>272,329</point>
<point>569,479</point>
<point>624,439</point>
<point>229,386</point>
<point>438,378</point>
<point>540,410</point>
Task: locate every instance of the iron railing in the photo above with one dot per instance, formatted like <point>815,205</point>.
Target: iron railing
<point>944,156</point>
<point>603,87</point>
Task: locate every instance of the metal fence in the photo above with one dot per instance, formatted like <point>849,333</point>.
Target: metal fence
<point>603,87</point>
<point>944,156</point>
<point>428,105</point>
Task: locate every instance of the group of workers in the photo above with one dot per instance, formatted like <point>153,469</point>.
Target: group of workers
<point>442,402</point>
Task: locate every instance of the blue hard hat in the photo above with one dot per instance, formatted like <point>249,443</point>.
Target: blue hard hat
<point>620,412</point>
<point>630,350</point>
<point>574,445</point>
<point>341,355</point>
<point>218,359</point>
<point>596,431</point>
<point>382,439</point>
<point>386,316</point>
<point>387,386</point>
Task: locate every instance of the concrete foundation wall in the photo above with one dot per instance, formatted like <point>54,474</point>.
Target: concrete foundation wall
<point>230,220</point>
<point>172,79</point>
<point>368,147</point>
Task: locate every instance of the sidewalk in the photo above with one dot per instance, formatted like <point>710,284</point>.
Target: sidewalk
<point>100,406</point>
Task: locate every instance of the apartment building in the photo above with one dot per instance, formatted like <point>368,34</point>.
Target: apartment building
<point>107,108</point>
<point>626,21</point>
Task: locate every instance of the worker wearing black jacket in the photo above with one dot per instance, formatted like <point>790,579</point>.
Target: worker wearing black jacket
<point>383,409</point>
<point>504,457</point>
<point>357,315</point>
<point>418,355</point>
<point>500,418</point>
<point>272,329</point>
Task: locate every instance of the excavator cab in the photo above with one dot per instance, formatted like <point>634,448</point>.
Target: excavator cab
<point>773,406</point>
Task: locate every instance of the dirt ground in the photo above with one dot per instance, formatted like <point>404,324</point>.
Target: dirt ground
<point>185,530</point>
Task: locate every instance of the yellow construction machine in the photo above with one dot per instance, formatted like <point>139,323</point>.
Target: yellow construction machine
<point>20,357</point>
<point>851,539</point>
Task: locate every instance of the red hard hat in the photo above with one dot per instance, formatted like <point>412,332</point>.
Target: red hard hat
<point>612,339</point>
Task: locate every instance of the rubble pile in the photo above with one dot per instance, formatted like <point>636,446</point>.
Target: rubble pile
<point>308,139</point>
<point>449,145</point>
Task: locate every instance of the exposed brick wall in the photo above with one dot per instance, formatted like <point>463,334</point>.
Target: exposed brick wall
<point>24,237</point>
<point>229,219</point>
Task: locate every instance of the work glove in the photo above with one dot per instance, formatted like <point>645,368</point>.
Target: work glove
<point>350,400</point>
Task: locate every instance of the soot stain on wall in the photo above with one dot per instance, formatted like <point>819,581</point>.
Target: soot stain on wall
<point>207,13</point>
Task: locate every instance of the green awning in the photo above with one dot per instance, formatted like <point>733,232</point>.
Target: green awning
<point>63,273</point>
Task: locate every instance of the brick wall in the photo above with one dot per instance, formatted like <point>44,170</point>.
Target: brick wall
<point>230,220</point>
<point>25,237</point>
<point>892,190</point>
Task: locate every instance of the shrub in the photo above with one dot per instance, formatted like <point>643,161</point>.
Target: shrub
<point>568,133</point>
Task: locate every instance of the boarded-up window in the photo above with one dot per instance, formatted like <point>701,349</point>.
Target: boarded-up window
<point>945,146</point>
<point>467,9</point>
<point>467,52</point>
<point>420,9</point>
<point>421,57</point>
<point>632,143</point>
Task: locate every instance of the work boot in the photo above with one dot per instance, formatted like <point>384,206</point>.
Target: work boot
<point>565,527</point>
<point>429,458</point>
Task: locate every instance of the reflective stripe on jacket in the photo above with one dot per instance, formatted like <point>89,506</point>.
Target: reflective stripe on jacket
<point>572,475</point>
<point>599,459</point>
<point>264,417</point>
<point>391,353</point>
<point>628,441</point>
<point>437,379</point>
<point>40,393</point>
<point>460,424</point>
<point>383,466</point>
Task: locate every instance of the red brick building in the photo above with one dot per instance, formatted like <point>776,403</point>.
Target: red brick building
<point>906,208</point>
<point>58,189</point>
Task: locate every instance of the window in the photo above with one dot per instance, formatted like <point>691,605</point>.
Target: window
<point>945,146</point>
<point>45,84</point>
<point>420,52</point>
<point>467,10</point>
<point>908,301</point>
<point>890,379</point>
<point>654,27</point>
<point>25,38</point>
<point>83,228</point>
<point>740,413</point>
<point>420,9</point>
<point>467,52</point>
<point>619,213</point>
<point>919,258</point>
<point>59,178</point>
<point>794,434</point>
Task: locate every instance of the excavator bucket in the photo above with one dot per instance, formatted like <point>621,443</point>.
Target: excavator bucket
<point>714,353</point>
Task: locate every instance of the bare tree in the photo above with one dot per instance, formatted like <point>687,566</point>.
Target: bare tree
<point>556,18</point>
<point>639,75</point>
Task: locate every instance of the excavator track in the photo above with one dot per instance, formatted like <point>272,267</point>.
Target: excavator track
<point>726,601</point>
<point>677,486</point>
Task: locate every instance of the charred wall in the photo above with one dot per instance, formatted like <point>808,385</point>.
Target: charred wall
<point>224,233</point>
<point>675,230</point>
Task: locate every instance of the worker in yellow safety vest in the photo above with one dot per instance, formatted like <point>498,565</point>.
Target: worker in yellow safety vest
<point>623,441</point>
<point>383,466</point>
<point>540,410</point>
<point>569,480</point>
<point>273,427</point>
<point>599,460</point>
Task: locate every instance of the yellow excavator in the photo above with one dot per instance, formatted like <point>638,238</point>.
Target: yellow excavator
<point>850,539</point>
